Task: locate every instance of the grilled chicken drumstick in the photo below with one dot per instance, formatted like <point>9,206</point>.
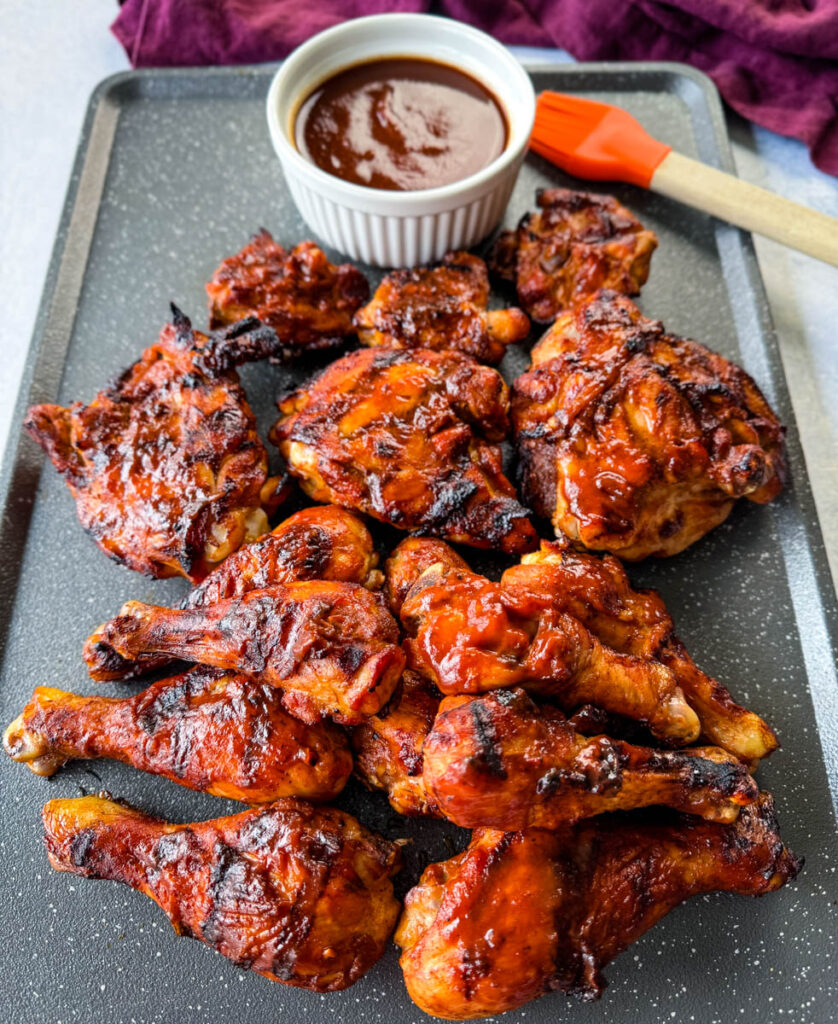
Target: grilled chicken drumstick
<point>206,729</point>
<point>636,441</point>
<point>325,543</point>
<point>575,244</point>
<point>298,893</point>
<point>166,466</point>
<point>468,635</point>
<point>412,439</point>
<point>597,591</point>
<point>519,914</point>
<point>307,300</point>
<point>501,762</point>
<point>388,746</point>
<point>442,308</point>
<point>331,647</point>
<point>409,560</point>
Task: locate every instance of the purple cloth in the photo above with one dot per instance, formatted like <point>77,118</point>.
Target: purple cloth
<point>774,61</point>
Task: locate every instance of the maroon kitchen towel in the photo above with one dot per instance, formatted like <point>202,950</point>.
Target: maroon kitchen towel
<point>774,61</point>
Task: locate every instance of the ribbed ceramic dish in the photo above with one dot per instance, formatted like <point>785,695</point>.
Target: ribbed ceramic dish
<point>398,229</point>
<point>175,170</point>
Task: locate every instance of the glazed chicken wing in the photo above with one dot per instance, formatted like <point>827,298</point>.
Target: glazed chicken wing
<point>168,472</point>
<point>207,729</point>
<point>577,243</point>
<point>468,635</point>
<point>499,761</point>
<point>331,647</point>
<point>298,893</point>
<point>307,300</point>
<point>410,438</point>
<point>388,746</point>
<point>636,441</point>
<point>442,307</point>
<point>519,914</point>
<point>597,591</point>
<point>325,543</point>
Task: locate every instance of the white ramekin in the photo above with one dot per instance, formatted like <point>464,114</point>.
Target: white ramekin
<point>387,228</point>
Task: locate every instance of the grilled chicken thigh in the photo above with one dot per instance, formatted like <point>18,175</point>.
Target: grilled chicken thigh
<point>207,729</point>
<point>307,300</point>
<point>519,914</point>
<point>442,308</point>
<point>168,472</point>
<point>331,647</point>
<point>410,438</point>
<point>499,761</point>
<point>597,591</point>
<point>325,543</point>
<point>577,243</point>
<point>636,441</point>
<point>298,893</point>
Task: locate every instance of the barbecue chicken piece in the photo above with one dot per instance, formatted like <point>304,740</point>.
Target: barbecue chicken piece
<point>519,914</point>
<point>636,441</point>
<point>576,244</point>
<point>501,762</point>
<point>388,746</point>
<point>468,635</point>
<point>298,893</point>
<point>597,591</point>
<point>168,472</point>
<point>307,300</point>
<point>409,560</point>
<point>324,543</point>
<point>442,307</point>
<point>333,648</point>
<point>411,438</point>
<point>207,729</point>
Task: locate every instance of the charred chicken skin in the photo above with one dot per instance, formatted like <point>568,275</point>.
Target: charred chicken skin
<point>307,300</point>
<point>577,243</point>
<point>297,893</point>
<point>636,441</point>
<point>469,635</point>
<point>442,307</point>
<point>410,438</point>
<point>207,729</point>
<point>501,762</point>
<point>388,746</point>
<point>325,543</point>
<point>166,467</point>
<point>331,647</point>
<point>519,914</point>
<point>598,593</point>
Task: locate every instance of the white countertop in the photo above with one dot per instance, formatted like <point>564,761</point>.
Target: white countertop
<point>52,55</point>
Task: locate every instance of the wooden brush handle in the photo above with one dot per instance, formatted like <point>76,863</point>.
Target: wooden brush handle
<point>747,206</point>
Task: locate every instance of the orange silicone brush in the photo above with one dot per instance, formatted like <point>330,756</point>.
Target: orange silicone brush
<point>605,143</point>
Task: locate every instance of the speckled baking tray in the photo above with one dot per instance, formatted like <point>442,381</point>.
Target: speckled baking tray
<point>174,172</point>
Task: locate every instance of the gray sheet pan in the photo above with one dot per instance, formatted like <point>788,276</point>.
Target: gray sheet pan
<point>174,172</point>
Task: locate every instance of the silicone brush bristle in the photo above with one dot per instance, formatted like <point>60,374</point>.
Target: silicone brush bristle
<point>594,140</point>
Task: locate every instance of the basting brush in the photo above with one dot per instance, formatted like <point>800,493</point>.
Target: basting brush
<point>602,142</point>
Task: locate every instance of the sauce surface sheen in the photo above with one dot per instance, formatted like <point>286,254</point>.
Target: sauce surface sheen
<point>401,123</point>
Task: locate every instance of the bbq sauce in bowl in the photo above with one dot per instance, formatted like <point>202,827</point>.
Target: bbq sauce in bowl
<point>401,124</point>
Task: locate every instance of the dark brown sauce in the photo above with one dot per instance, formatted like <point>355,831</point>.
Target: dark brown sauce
<point>401,123</point>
